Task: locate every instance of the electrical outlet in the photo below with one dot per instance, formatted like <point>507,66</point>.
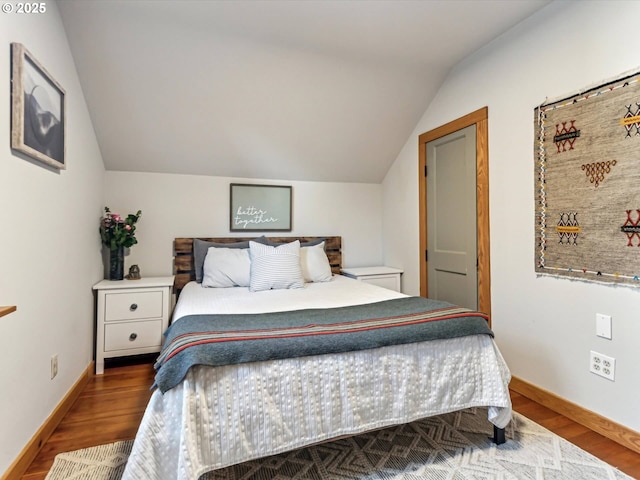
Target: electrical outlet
<point>602,365</point>
<point>54,366</point>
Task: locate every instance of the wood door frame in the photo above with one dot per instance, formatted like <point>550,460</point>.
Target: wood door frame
<point>479,118</point>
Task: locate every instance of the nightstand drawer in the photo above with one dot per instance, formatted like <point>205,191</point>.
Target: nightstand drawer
<point>382,276</point>
<point>133,305</point>
<point>384,281</point>
<point>131,335</point>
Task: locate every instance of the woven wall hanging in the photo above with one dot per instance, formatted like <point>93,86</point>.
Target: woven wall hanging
<point>587,190</point>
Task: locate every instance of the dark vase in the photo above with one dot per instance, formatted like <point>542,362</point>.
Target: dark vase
<point>116,263</point>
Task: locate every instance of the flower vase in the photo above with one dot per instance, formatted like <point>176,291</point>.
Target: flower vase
<point>116,263</point>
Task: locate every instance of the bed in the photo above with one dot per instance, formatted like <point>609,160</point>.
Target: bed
<point>209,416</point>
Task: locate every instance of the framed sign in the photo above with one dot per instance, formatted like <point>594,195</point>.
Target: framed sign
<point>260,208</point>
<point>37,110</point>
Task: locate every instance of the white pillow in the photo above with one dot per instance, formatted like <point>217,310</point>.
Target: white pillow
<point>275,267</point>
<point>226,267</point>
<point>315,264</point>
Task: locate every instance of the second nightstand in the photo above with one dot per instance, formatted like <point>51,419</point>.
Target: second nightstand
<point>132,315</point>
<point>387,277</point>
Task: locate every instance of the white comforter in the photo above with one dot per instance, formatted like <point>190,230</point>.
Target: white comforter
<point>226,415</point>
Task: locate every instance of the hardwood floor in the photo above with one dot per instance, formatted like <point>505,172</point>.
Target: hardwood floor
<point>111,407</point>
<point>611,452</point>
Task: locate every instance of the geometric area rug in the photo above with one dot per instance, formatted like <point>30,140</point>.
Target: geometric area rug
<point>453,446</point>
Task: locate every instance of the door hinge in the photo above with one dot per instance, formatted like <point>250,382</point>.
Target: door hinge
<point>426,255</point>
<point>425,170</point>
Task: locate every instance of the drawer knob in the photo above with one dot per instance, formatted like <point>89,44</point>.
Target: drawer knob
<point>133,307</point>
<point>133,336</point>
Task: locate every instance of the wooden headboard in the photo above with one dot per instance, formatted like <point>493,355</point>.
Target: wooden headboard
<point>184,267</point>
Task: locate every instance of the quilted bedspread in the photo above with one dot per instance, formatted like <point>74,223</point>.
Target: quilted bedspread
<point>220,416</point>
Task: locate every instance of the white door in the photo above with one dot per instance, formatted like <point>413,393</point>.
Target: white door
<point>452,218</point>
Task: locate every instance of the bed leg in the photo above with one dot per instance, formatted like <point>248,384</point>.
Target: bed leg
<point>498,436</point>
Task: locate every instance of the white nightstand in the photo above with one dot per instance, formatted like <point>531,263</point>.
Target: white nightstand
<point>387,277</point>
<point>132,315</point>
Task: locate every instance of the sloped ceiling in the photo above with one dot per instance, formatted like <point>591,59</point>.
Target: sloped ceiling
<point>296,90</point>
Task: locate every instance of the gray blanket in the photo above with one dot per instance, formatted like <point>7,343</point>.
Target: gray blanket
<point>223,339</point>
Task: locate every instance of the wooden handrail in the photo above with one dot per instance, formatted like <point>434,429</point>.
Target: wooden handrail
<point>7,310</point>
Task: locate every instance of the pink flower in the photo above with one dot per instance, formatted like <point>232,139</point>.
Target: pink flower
<point>118,231</point>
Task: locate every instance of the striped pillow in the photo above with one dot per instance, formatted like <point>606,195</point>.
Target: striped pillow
<point>275,267</point>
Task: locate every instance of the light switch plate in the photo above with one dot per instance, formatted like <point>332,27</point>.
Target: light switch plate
<point>603,325</point>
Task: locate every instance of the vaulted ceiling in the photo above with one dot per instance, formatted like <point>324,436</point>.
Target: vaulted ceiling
<point>320,90</point>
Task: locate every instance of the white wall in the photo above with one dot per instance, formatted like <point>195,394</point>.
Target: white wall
<point>49,245</point>
<point>198,206</point>
<point>545,327</point>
